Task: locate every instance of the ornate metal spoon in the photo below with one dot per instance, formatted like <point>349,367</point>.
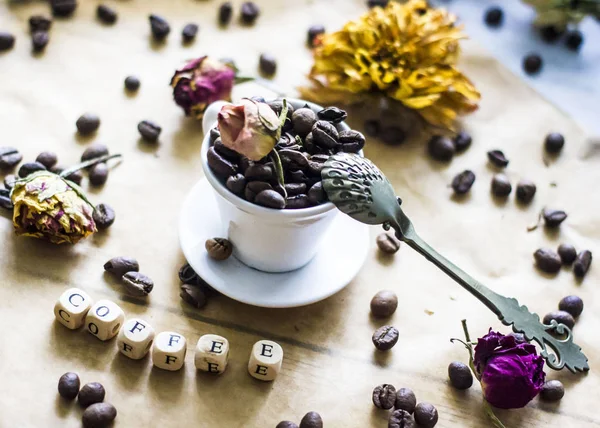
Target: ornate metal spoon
<point>358,188</point>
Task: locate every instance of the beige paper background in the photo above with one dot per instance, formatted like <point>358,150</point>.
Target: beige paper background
<point>330,365</point>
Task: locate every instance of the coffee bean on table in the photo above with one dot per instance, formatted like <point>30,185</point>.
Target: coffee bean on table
<point>137,284</point>
<point>497,158</point>
<point>76,177</point>
<point>426,415</point>
<point>313,32</point>
<point>98,174</point>
<point>553,218</point>
<point>574,40</point>
<point>567,253</point>
<point>91,393</point>
<point>582,263</point>
<point>225,12</point>
<point>384,396</point>
<point>553,390</point>
<point>463,182</point>
<point>460,375</point>
<point>441,148</point>
<point>401,419</point>
<point>106,14</point>
<point>387,243</point>
<point>532,63</point>
<point>561,317</point>
<point>9,181</point>
<point>104,216</point>
<point>9,157</point>
<point>5,201</point>
<point>372,128</point>
<point>462,141</point>
<point>39,23</point>
<point>219,248</point>
<point>132,83</point>
<point>189,32</point>
<point>87,123</point>
<point>7,41</point>
<point>249,13</point>
<point>267,64</point>
<point>385,337</point>
<point>325,134</point>
<point>384,304</point>
<point>494,16</point>
<point>311,420</point>
<point>48,159</point>
<point>149,130</point>
<point>63,8</point>
<point>286,424</point>
<point>316,194</point>
<point>39,40</point>
<point>160,27</point>
<point>406,400</point>
<point>94,151</point>
<point>525,191</point>
<point>303,120</point>
<point>119,266</point>
<point>554,142</point>
<point>550,33</point>
<point>501,186</point>
<point>572,305</point>
<point>68,385</point>
<point>99,415</point>
<point>547,260</point>
<point>332,114</point>
<point>270,199</point>
<point>236,183</point>
<point>29,168</point>
<point>193,295</point>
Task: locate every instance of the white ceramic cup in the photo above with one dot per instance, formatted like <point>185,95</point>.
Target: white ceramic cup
<point>267,239</point>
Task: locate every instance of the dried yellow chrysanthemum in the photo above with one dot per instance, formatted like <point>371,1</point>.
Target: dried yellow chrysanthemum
<point>407,51</point>
<point>560,13</point>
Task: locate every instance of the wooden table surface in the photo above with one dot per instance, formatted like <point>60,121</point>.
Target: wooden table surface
<point>330,365</point>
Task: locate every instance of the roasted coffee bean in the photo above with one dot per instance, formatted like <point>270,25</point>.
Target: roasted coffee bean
<point>225,13</point>
<point>463,182</point>
<point>160,27</point>
<point>532,63</point>
<point>76,177</point>
<point>567,253</point>
<point>254,188</point>
<point>553,218</point>
<point>384,396</point>
<point>7,41</point>
<point>214,135</point>
<point>225,151</point>
<point>259,172</point>
<point>426,415</point>
<point>94,151</point>
<point>441,148</point>
<point>309,145</point>
<point>303,120</point>
<point>39,23</point>
<point>561,317</point>
<point>324,134</point>
<point>387,243</point>
<point>377,3</point>
<point>293,189</point>
<point>9,157</point>
<point>106,14</point>
<point>494,16</point>
<point>5,201</point>
<point>149,130</point>
<point>554,142</point>
<point>462,141</point>
<point>87,123</point>
<point>9,181</point>
<point>39,40</point>
<point>550,33</point>
<point>547,260</point>
<point>582,263</point>
<point>119,266</point>
<point>574,40</point>
<point>298,176</point>
<point>501,186</point>
<point>572,305</point>
<point>332,114</point>
<point>277,107</point>
<point>236,183</point>
<point>68,385</point>
<point>316,194</point>
<point>385,337</point>
<point>91,393</point>
<point>553,390</point>
<point>406,400</point>
<point>189,32</point>
<point>188,275</point>
<point>267,64</point>
<point>218,248</point>
<point>137,284</point>
<point>249,13</point>
<point>63,8</point>
<point>286,424</point>
<point>460,375</point>
<point>372,128</point>
<point>314,169</point>
<point>48,159</point>
<point>193,295</point>
<point>293,159</point>
<point>99,415</point>
<point>497,158</point>
<point>104,216</point>
<point>311,420</point>
<point>321,158</point>
<point>132,83</point>
<point>29,168</point>
<point>313,33</point>
<point>525,191</point>
<point>297,202</point>
<point>351,141</point>
<point>401,419</point>
<point>98,174</point>
<point>270,199</point>
<point>384,304</point>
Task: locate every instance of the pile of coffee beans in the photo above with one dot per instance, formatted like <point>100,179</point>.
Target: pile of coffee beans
<point>406,412</point>
<point>550,261</point>
<point>308,139</point>
<point>194,290</point>
<point>127,270</point>
<point>569,309</point>
<point>310,420</point>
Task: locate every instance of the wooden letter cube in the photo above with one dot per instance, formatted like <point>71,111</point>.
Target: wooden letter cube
<point>72,307</point>
<point>168,351</point>
<point>135,338</point>
<point>104,319</point>
<point>265,360</point>
<point>212,353</point>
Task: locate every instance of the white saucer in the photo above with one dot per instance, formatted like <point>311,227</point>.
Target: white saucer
<point>342,254</point>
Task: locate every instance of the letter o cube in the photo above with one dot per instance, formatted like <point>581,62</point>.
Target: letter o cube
<point>265,360</point>
<point>212,353</point>
<point>104,319</point>
<point>135,338</point>
<point>71,308</point>
<point>168,351</point>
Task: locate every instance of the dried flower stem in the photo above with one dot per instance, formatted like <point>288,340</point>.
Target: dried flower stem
<point>490,413</point>
<point>87,164</point>
<point>278,169</point>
